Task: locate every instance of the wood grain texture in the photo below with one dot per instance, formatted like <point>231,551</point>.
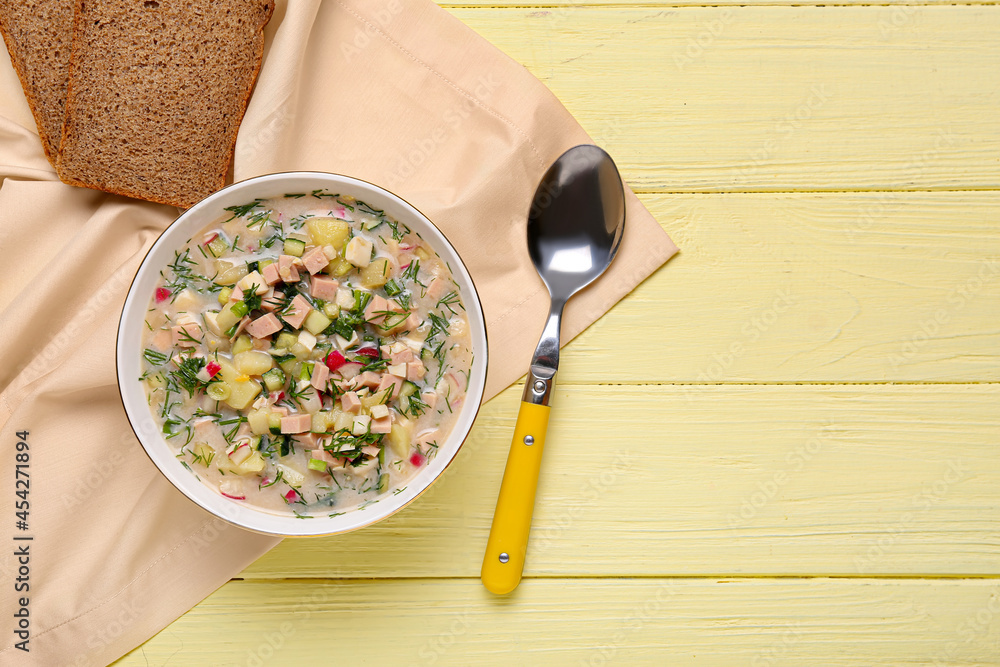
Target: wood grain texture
<point>839,287</point>
<point>732,475</point>
<point>783,98</point>
<point>588,622</point>
<point>665,480</point>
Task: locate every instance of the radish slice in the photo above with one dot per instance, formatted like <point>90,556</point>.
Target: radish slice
<point>233,497</point>
<point>162,294</point>
<point>335,360</point>
<point>417,459</point>
<point>291,496</point>
<point>213,369</point>
<point>370,352</point>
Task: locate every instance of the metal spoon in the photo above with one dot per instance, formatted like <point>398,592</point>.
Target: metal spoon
<point>575,226</point>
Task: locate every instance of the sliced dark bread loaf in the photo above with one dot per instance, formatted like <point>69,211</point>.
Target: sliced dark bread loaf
<point>157,91</point>
<point>39,35</point>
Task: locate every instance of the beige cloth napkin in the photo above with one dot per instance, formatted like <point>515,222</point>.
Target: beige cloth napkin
<point>396,92</point>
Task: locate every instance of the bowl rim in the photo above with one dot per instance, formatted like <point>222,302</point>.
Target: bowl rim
<point>292,520</point>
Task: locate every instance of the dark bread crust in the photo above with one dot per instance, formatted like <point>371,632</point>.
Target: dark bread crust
<point>38,35</point>
<point>157,91</point>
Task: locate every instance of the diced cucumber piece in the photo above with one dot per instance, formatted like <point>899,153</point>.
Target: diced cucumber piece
<point>227,317</point>
<point>274,423</point>
<point>274,379</point>
<point>318,465</point>
<point>294,247</point>
<point>218,246</point>
<point>218,391</point>
<point>331,310</point>
<point>242,344</point>
<point>286,340</point>
<point>305,373</point>
<point>408,389</point>
<point>284,449</point>
<point>240,308</point>
<point>383,482</point>
<point>339,268</point>
<point>404,404</point>
<point>316,322</point>
<point>224,295</point>
<point>392,288</point>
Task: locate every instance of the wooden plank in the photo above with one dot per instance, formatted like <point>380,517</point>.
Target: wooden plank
<point>773,98</point>
<point>839,287</point>
<point>720,479</point>
<point>587,622</point>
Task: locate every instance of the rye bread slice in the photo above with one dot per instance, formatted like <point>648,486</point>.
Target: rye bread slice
<point>39,36</point>
<point>157,90</point>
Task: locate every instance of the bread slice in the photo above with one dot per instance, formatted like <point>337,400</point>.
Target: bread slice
<point>157,90</point>
<point>39,35</point>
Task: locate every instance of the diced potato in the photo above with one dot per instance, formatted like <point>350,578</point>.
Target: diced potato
<point>255,463</point>
<point>328,231</point>
<point>185,300</point>
<point>229,273</point>
<point>343,421</point>
<point>377,398</point>
<point>375,274</point>
<point>242,393</point>
<point>421,253</point>
<point>300,351</point>
<point>319,420</point>
<point>331,418</point>
<point>316,322</point>
<point>253,362</point>
<point>260,421</point>
<point>204,452</point>
<point>227,317</point>
<point>156,381</point>
<point>242,344</point>
<point>399,440</point>
<point>291,475</point>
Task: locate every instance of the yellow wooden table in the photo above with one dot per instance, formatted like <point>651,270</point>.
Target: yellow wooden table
<point>780,449</point>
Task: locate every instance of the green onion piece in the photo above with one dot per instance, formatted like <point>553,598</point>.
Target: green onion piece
<point>317,464</point>
<point>218,391</point>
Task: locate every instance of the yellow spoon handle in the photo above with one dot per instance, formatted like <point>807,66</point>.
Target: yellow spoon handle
<point>508,541</point>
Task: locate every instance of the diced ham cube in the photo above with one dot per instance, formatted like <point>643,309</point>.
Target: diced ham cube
<point>321,455</point>
<point>265,325</point>
<point>430,398</point>
<point>382,425</point>
<point>368,379</point>
<point>280,409</point>
<point>377,308</point>
<point>287,269</point>
<point>237,294</point>
<point>299,423</point>
<point>415,370</point>
<point>270,302</point>
<point>308,440</point>
<point>315,260</point>
<point>163,340</point>
<point>350,402</point>
<point>270,274</point>
<point>261,344</point>
<point>370,450</point>
<point>184,332</point>
<point>402,357</point>
<point>324,288</point>
<point>298,311</point>
<point>436,288</point>
<point>320,375</point>
<point>390,380</point>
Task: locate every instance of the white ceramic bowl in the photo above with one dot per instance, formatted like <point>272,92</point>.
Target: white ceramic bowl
<point>129,350</point>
